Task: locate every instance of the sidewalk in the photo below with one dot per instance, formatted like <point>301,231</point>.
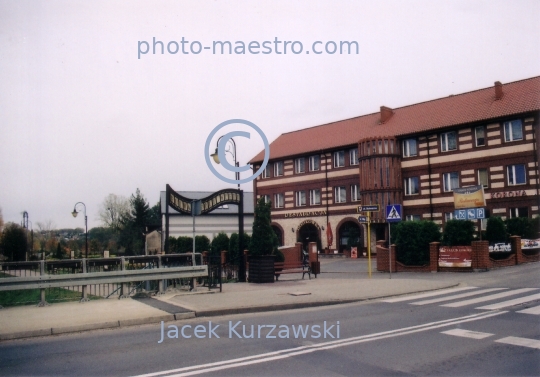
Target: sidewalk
<point>345,282</point>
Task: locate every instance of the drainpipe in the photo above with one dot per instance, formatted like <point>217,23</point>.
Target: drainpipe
<point>429,180</point>
<point>535,146</point>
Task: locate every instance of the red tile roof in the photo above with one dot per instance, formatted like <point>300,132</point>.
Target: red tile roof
<point>479,105</point>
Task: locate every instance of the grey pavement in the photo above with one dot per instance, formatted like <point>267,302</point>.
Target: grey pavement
<point>341,281</point>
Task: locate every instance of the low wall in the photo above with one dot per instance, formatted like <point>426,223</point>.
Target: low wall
<point>480,257</point>
<point>292,253</point>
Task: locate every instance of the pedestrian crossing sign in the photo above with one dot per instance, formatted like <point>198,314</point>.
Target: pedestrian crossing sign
<point>393,213</point>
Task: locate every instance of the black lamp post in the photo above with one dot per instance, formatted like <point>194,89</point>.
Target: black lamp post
<point>75,213</point>
<point>242,264</point>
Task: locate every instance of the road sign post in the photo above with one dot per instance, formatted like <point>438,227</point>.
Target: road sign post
<point>393,215</point>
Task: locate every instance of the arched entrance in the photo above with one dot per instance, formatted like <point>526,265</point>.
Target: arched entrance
<point>349,235</point>
<point>279,233</point>
<point>308,232</point>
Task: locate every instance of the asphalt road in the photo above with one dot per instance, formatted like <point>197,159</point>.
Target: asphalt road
<point>436,335</point>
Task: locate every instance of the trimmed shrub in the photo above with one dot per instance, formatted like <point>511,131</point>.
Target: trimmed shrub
<point>220,243</point>
<point>458,233</point>
<point>412,239</point>
<point>495,230</point>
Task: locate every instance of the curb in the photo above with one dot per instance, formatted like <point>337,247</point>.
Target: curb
<point>193,314</point>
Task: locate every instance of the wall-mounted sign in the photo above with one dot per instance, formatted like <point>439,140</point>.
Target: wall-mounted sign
<point>178,202</point>
<point>508,194</point>
<point>305,214</point>
<point>369,208</point>
<point>469,197</point>
<point>308,222</point>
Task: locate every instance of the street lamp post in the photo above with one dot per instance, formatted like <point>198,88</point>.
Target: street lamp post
<point>75,213</point>
<point>242,264</point>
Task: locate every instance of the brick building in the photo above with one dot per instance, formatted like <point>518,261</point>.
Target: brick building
<point>414,155</point>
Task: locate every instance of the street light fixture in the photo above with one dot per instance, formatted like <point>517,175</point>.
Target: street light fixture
<point>75,213</point>
<point>233,154</point>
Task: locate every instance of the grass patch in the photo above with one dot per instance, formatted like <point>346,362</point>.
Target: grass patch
<point>32,296</point>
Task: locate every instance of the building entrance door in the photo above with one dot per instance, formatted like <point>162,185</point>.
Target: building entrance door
<point>309,233</point>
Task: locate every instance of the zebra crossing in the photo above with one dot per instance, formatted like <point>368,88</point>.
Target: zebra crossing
<point>472,296</point>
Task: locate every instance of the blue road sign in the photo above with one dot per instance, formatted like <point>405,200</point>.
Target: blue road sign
<point>470,214</point>
<point>370,208</point>
<point>362,219</point>
<point>393,213</point>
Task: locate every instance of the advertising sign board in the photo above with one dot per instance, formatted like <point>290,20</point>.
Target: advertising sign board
<point>469,197</point>
<point>455,256</point>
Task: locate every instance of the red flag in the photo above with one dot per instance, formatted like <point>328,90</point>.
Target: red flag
<point>329,236</point>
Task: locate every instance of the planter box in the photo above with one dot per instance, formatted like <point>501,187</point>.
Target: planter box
<point>261,269</point>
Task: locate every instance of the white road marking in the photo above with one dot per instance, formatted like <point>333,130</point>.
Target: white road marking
<point>513,302</point>
<point>462,295</point>
<point>524,342</point>
<point>467,333</point>
<point>488,298</point>
<point>534,310</point>
<point>428,294</point>
<point>283,354</point>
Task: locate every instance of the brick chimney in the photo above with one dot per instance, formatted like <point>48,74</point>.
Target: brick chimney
<point>498,90</point>
<point>386,114</point>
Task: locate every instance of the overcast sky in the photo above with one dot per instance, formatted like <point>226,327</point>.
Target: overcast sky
<point>81,116</point>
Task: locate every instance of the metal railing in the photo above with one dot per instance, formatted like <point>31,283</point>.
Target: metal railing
<point>104,276</point>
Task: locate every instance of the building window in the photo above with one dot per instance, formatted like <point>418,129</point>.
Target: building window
<point>339,159</point>
<point>355,193</point>
<point>314,163</point>
<point>300,198</point>
<point>448,216</point>
<point>450,181</point>
<point>315,197</point>
<point>411,186</point>
<point>480,136</point>
<point>412,218</point>
<point>300,165</point>
<point>409,148</point>
<point>483,224</point>
<point>519,212</point>
<point>340,194</point>
<point>448,141</point>
<point>266,198</point>
<point>353,156</point>
<point>266,171</point>
<point>278,200</point>
<point>278,169</point>
<point>516,175</point>
<point>513,130</point>
<point>483,177</point>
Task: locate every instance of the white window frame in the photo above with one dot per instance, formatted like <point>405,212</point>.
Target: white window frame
<point>355,193</point>
<point>315,197</point>
<point>448,216</point>
<point>447,181</point>
<point>266,198</point>
<point>278,169</point>
<point>300,198</point>
<point>266,171</point>
<point>514,212</point>
<point>339,156</point>
<point>407,183</point>
<point>487,177</point>
<point>511,173</point>
<point>413,218</point>
<point>444,141</point>
<point>300,165</point>
<point>509,131</point>
<point>476,136</point>
<point>279,200</point>
<point>353,156</point>
<point>340,194</point>
<point>406,146</point>
<point>314,160</point>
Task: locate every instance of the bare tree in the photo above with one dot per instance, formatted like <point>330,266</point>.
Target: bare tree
<point>45,232</point>
<point>113,209</point>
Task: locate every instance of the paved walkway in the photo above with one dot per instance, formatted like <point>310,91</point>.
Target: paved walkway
<point>345,281</point>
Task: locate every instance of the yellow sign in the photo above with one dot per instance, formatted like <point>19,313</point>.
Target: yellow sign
<point>469,197</point>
